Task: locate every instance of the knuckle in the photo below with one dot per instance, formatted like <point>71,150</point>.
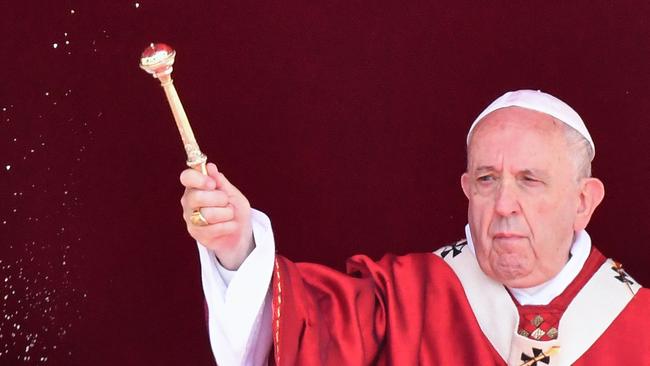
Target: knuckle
<point>223,215</point>
<point>215,215</point>
<point>222,198</point>
<point>217,199</point>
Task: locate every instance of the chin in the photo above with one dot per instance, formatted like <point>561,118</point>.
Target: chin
<point>513,274</point>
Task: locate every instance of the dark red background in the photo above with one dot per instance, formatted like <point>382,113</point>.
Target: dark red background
<point>344,121</point>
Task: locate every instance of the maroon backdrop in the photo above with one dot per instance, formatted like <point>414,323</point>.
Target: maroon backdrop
<point>344,121</point>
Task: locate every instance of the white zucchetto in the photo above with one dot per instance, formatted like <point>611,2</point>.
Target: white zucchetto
<point>541,102</point>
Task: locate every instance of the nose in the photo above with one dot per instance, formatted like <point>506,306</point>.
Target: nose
<point>506,200</point>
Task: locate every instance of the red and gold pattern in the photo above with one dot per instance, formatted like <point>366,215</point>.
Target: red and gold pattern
<point>412,310</point>
<point>539,326</point>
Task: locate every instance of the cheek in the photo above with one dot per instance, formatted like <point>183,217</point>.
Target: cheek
<point>550,212</point>
<point>480,209</point>
<point>480,215</point>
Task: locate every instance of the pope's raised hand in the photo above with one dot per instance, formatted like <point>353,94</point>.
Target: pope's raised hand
<point>228,230</point>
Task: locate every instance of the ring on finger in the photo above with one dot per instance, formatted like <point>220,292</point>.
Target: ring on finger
<point>196,218</point>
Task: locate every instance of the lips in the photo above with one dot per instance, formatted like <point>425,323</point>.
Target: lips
<point>508,236</point>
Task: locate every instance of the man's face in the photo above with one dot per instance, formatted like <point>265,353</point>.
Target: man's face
<point>524,195</point>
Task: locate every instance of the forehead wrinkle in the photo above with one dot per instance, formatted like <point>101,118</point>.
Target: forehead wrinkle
<point>486,169</point>
<point>510,123</point>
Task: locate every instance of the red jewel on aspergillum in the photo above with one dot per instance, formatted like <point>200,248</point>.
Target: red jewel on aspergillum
<point>157,59</point>
<point>155,48</point>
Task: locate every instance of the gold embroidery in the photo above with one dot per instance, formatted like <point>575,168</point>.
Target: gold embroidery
<point>277,312</point>
<point>530,361</point>
<point>523,332</point>
<point>537,333</point>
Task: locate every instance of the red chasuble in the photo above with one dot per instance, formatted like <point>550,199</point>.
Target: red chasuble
<point>440,309</point>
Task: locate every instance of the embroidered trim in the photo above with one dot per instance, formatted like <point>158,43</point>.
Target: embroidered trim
<point>623,276</point>
<point>276,313</point>
<point>539,356</point>
<point>455,248</point>
<point>487,298</point>
<point>581,324</point>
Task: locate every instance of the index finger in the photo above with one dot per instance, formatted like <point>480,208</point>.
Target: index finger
<point>191,178</point>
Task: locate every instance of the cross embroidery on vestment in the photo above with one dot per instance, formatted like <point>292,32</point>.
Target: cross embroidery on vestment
<point>455,249</point>
<point>622,276</point>
<point>536,353</point>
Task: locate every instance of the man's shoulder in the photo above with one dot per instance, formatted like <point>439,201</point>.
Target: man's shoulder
<point>451,249</point>
<point>424,266</point>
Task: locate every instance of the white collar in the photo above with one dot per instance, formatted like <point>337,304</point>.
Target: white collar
<point>544,293</point>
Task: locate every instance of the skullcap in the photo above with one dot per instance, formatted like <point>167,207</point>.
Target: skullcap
<point>540,102</point>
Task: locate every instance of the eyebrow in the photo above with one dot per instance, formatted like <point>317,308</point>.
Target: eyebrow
<point>485,168</point>
<point>491,168</point>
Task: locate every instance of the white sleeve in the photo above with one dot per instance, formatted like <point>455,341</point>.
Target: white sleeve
<point>239,302</point>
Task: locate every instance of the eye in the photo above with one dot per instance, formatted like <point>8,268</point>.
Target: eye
<point>485,178</point>
<point>532,181</point>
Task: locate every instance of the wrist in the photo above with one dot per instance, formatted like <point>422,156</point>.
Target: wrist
<point>234,259</point>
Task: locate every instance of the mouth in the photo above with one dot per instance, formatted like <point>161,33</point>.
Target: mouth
<point>507,237</point>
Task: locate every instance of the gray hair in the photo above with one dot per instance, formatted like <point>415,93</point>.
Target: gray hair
<point>581,151</point>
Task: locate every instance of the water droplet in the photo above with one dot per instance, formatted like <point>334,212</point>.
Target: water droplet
<point>9,166</point>
<point>137,5</point>
<point>55,45</point>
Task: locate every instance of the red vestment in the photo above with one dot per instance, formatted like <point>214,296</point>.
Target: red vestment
<point>413,310</point>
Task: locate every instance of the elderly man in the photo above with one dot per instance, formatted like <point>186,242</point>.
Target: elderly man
<point>525,287</point>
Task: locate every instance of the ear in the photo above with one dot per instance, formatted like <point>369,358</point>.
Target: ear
<point>465,183</point>
<point>591,195</point>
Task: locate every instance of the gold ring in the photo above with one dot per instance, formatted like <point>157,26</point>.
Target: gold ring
<point>197,219</point>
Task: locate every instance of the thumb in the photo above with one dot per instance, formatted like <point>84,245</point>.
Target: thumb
<point>222,182</point>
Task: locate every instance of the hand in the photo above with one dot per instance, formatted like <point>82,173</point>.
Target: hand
<point>229,231</point>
